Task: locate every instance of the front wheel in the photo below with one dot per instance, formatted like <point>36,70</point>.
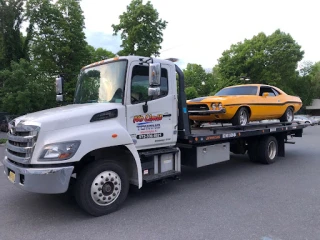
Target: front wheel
<point>241,117</point>
<point>102,187</point>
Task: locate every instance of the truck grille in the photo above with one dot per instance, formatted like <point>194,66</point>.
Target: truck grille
<point>21,142</point>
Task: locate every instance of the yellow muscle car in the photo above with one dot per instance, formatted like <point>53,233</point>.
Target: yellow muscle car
<point>241,104</point>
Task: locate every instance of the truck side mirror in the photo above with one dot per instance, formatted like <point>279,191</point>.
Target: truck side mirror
<point>153,91</point>
<point>154,79</point>
<point>59,85</point>
<point>154,74</point>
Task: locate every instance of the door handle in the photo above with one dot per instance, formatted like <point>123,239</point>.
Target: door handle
<point>167,115</point>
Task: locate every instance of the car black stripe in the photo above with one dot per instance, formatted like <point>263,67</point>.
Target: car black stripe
<point>277,104</point>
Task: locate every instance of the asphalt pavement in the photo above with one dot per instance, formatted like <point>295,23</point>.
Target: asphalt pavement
<point>231,200</point>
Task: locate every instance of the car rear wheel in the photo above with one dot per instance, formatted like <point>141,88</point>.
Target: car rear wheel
<point>288,115</point>
<point>241,117</point>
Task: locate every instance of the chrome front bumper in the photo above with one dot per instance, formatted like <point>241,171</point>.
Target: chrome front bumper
<point>38,180</point>
<point>206,112</point>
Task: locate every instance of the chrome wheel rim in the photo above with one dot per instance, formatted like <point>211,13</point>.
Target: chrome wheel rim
<point>243,118</point>
<point>106,188</point>
<point>272,150</point>
<point>289,115</point>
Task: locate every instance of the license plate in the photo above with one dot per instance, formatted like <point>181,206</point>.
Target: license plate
<point>12,176</point>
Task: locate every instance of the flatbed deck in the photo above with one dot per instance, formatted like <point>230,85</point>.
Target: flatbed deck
<point>218,133</point>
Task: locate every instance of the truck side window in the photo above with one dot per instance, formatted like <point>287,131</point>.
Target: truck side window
<point>140,84</point>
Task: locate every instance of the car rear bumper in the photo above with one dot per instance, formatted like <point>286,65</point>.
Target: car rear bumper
<point>38,180</point>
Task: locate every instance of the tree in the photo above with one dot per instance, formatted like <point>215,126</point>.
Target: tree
<point>58,44</point>
<point>26,89</point>
<point>99,54</point>
<point>315,78</point>
<point>195,76</point>
<point>265,59</point>
<point>13,45</point>
<point>141,29</point>
<point>191,92</point>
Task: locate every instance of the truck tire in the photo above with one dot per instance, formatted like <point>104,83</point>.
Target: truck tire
<point>101,187</point>
<point>268,150</point>
<point>241,117</point>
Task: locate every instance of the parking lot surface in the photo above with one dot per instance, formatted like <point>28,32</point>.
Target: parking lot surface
<point>236,199</point>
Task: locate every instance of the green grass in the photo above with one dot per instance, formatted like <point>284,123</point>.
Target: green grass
<point>2,140</point>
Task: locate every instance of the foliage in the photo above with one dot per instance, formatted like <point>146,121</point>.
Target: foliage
<point>265,59</point>
<point>58,43</point>
<point>2,140</point>
<point>191,92</point>
<point>13,45</point>
<point>26,89</point>
<point>98,54</point>
<point>196,77</point>
<point>141,29</point>
<point>315,79</point>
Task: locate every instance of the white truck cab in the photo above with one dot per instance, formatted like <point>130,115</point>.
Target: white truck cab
<point>120,107</point>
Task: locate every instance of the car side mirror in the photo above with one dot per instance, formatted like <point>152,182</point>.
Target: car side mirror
<point>265,94</point>
<point>154,74</point>
<point>59,89</point>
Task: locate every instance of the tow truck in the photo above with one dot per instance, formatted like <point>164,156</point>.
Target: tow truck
<point>128,126</point>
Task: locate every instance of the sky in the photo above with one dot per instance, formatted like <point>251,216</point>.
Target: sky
<point>199,31</point>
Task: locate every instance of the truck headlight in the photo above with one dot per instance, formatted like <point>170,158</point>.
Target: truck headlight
<point>59,151</point>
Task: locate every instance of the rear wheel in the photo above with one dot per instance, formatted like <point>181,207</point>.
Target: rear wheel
<point>288,115</point>
<point>101,187</point>
<point>264,150</point>
<point>241,117</point>
<point>268,150</point>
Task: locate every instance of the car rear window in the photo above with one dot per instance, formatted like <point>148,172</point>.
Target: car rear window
<point>247,90</point>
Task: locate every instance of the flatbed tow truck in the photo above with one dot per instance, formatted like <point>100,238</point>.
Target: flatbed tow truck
<point>129,125</point>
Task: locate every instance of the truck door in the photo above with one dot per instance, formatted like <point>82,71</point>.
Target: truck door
<point>156,127</point>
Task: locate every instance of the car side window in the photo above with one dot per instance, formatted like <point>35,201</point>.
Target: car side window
<point>268,90</point>
<point>140,84</point>
<point>275,92</point>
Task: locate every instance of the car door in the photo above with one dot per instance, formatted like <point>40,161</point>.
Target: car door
<point>156,127</point>
<point>271,106</point>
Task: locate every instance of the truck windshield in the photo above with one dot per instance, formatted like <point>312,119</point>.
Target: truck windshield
<point>103,83</point>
